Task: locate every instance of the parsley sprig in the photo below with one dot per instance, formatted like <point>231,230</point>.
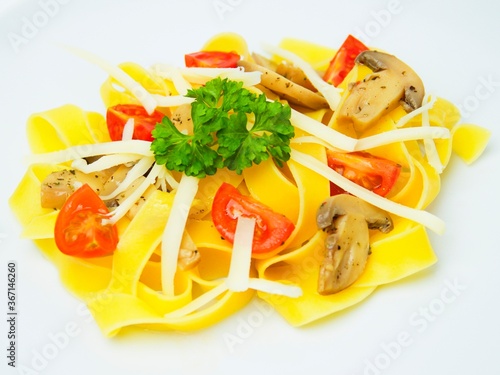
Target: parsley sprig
<point>232,127</point>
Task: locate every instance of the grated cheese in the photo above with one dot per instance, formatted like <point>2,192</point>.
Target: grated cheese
<point>332,137</point>
<point>198,302</point>
<point>127,204</point>
<point>424,107</point>
<point>128,130</point>
<point>133,174</point>
<point>401,135</point>
<point>172,73</point>
<point>431,151</point>
<point>422,217</point>
<point>241,257</point>
<point>104,162</point>
<point>274,287</point>
<point>134,146</point>
<point>174,230</point>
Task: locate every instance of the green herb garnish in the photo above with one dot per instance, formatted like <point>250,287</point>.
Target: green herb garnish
<point>232,127</point>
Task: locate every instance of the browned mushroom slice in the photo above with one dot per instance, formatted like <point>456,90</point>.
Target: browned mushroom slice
<point>189,256</point>
<point>59,185</point>
<point>347,220</point>
<point>294,74</point>
<point>392,83</point>
<point>294,93</point>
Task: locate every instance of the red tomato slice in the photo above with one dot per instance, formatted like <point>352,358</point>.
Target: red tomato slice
<point>79,229</point>
<point>271,228</point>
<point>117,117</point>
<point>212,59</point>
<point>373,173</point>
<point>343,61</point>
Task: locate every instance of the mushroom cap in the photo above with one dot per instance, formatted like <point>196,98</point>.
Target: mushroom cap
<point>344,204</point>
<point>287,89</point>
<point>392,83</point>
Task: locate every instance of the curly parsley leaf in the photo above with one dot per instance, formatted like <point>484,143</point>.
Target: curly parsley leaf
<point>190,154</point>
<point>232,127</point>
<point>270,134</point>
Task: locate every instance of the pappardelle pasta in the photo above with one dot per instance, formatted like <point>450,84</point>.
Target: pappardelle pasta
<point>293,178</point>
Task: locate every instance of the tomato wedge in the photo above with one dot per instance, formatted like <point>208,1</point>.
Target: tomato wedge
<point>271,229</point>
<point>118,115</point>
<point>372,172</point>
<point>343,61</point>
<point>79,229</point>
<point>212,59</point>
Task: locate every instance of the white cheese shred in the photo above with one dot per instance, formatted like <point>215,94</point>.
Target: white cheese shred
<point>202,75</point>
<point>174,230</point>
<point>332,137</point>
<point>401,135</point>
<point>172,101</point>
<point>274,287</point>
<point>127,204</point>
<point>104,162</point>
<point>138,147</point>
<point>424,107</point>
<point>172,73</point>
<point>241,258</point>
<point>330,92</point>
<point>422,217</point>
<point>128,130</point>
<point>135,88</point>
<point>133,174</point>
<point>198,302</point>
<point>431,151</point>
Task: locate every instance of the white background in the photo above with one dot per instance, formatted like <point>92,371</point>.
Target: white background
<point>453,45</point>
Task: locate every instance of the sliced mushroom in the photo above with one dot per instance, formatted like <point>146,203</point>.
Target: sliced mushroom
<point>392,83</point>
<point>294,93</point>
<point>347,220</point>
<point>189,256</point>
<point>59,185</point>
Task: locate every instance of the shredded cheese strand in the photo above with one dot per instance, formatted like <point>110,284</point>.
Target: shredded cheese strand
<point>174,230</point>
<point>422,217</point>
<point>134,146</point>
<point>241,257</point>
<point>133,174</point>
<point>172,101</point>
<point>104,162</point>
<point>330,92</point>
<point>135,88</point>
<point>332,137</point>
<point>128,130</point>
<point>401,135</point>
<point>127,204</point>
<point>201,75</point>
<point>431,151</point>
<point>424,107</point>
<point>172,73</point>
<point>274,287</point>
<point>198,302</point>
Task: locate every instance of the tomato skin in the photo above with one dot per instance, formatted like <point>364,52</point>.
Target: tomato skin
<point>79,230</point>
<point>118,115</point>
<point>344,60</point>
<point>271,228</point>
<point>212,59</point>
<point>372,172</point>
